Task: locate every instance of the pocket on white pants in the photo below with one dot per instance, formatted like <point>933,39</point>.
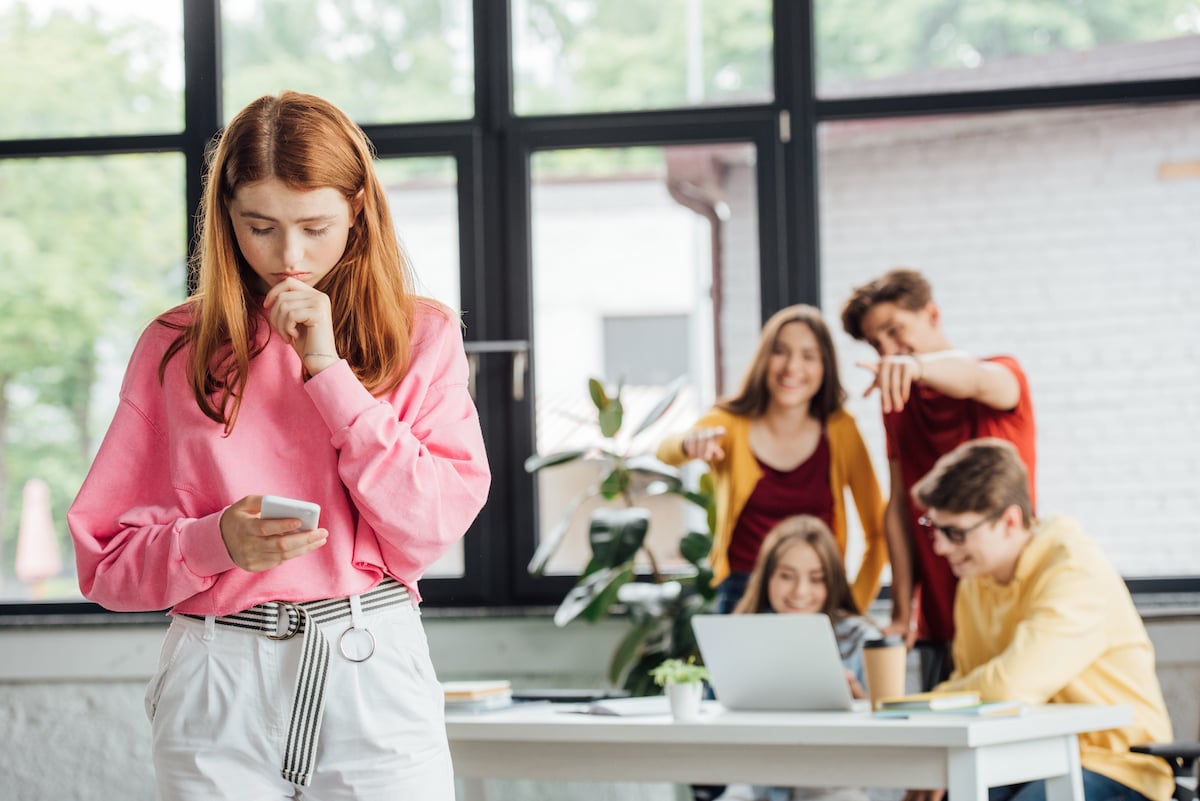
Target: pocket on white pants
<point>166,658</point>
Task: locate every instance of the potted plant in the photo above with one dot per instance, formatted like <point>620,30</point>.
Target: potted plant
<point>684,685</point>
<point>660,604</point>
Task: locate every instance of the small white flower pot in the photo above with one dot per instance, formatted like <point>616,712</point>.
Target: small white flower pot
<point>685,700</point>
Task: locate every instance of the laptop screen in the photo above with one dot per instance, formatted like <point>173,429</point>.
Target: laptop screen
<point>773,662</point>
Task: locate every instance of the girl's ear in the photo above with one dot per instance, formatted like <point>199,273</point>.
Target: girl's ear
<point>357,202</point>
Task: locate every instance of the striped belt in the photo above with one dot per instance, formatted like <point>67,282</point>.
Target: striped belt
<point>283,620</point>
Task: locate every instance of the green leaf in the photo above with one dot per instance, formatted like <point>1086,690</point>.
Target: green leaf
<point>599,396</point>
<point>610,417</point>
<point>617,534</point>
<point>592,567</point>
<point>695,546</point>
<point>651,469</point>
<point>585,591</point>
<point>704,585</point>
<point>683,639</point>
<point>695,497</point>
<point>638,680</point>
<point>627,650</point>
<point>615,483</point>
<point>607,596</point>
<point>535,463</point>
<point>669,395</point>
<point>554,537</point>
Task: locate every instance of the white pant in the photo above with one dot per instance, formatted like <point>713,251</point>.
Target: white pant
<point>221,701</point>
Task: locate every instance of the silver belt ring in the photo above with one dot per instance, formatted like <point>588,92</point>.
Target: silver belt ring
<point>342,644</point>
<point>293,620</point>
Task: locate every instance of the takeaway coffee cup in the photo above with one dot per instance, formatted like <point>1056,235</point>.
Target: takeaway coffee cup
<point>884,663</point>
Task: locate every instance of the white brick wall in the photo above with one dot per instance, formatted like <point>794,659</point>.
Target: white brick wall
<point>1049,236</point>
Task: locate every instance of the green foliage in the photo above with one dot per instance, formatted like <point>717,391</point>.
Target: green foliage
<point>83,74</point>
<point>610,55</point>
<point>380,60</point>
<point>659,610</point>
<point>877,38</point>
<point>677,671</point>
<point>90,247</point>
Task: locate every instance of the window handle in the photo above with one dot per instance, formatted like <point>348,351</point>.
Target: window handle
<point>520,366</point>
<point>517,348</point>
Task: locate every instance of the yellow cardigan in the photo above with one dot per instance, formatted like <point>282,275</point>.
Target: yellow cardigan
<point>737,475</point>
<point>1065,631</point>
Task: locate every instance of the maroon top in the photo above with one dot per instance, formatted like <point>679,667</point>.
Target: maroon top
<point>778,494</point>
<point>932,424</point>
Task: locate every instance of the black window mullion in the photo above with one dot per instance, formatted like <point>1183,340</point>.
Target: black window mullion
<point>797,277</point>
<point>1166,90</point>
<point>89,146</point>
<point>201,100</point>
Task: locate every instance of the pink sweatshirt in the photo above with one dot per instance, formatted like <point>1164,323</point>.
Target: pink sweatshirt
<point>399,478</point>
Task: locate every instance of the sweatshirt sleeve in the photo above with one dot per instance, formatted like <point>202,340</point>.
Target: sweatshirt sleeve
<point>416,468</point>
<point>1063,630</point>
<point>136,547</point>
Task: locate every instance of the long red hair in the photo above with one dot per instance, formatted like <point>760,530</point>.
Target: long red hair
<point>307,143</point>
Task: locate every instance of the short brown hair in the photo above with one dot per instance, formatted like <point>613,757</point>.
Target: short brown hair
<point>839,602</point>
<point>753,398</point>
<point>982,475</point>
<point>905,287</point>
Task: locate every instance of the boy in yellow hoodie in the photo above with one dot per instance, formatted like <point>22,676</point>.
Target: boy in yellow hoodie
<point>1042,617</point>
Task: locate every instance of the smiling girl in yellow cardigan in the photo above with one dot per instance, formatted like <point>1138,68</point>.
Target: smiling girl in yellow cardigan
<point>782,446</point>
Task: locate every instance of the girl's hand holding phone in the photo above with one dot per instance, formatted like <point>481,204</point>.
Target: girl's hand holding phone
<point>256,544</point>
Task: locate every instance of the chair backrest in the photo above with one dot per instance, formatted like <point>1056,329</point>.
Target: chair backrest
<point>1183,759</point>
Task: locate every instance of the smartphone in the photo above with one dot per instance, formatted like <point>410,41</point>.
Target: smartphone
<point>274,507</point>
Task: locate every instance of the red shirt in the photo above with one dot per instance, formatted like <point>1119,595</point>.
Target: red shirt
<point>929,426</point>
<point>778,494</point>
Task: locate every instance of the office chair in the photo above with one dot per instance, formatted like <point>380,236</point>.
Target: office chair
<point>1182,758</point>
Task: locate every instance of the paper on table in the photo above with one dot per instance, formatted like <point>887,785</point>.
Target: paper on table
<point>645,705</point>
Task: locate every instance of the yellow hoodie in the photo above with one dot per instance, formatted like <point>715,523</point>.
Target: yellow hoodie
<point>1065,631</point>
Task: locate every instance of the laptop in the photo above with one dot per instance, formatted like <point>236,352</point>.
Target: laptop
<point>784,663</point>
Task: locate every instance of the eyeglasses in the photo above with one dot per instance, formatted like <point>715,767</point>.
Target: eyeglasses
<point>954,534</point>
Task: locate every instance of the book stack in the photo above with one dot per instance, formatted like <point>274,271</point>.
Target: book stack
<point>477,696</point>
<point>963,702</point>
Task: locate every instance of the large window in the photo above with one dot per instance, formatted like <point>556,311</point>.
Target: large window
<point>1069,249</point>
<point>629,55</point>
<point>625,240</point>
<point>625,190</point>
<point>882,47</point>
<point>90,68</point>
<point>380,60</point>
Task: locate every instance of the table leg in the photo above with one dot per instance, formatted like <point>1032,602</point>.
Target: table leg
<point>1068,787</point>
<point>964,780</point>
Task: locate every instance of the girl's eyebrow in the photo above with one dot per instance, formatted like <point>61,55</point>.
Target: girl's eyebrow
<point>303,220</point>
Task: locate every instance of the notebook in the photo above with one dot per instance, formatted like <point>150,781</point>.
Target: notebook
<point>785,663</point>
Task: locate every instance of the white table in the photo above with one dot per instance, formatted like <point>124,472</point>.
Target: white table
<point>966,755</point>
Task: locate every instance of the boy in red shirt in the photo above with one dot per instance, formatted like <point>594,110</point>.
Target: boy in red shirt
<point>934,398</point>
